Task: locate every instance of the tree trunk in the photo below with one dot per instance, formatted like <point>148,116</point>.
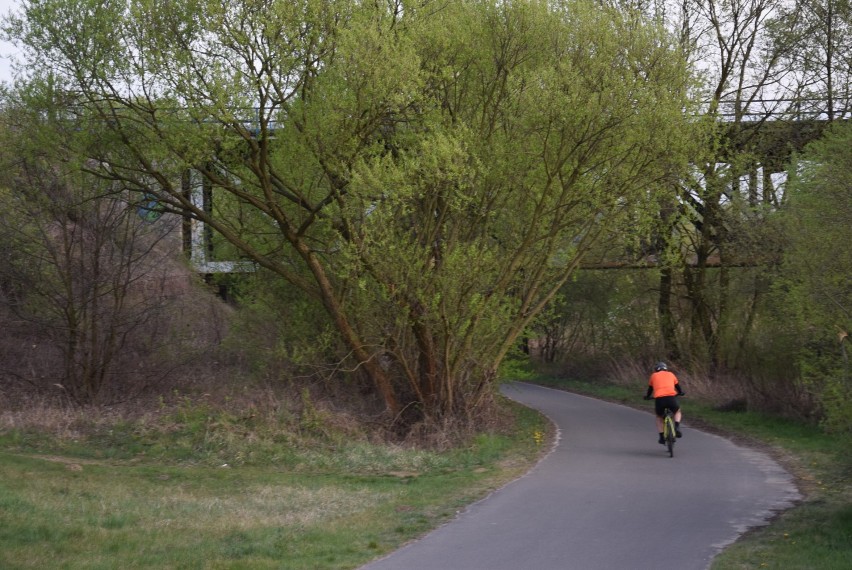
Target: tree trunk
<point>428,361</point>
<point>374,371</point>
<point>666,316</point>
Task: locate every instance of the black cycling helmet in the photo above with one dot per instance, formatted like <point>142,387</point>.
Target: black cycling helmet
<point>660,366</point>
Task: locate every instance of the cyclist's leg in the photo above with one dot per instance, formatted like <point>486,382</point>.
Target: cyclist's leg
<point>659,410</point>
<point>678,417</point>
<point>671,403</point>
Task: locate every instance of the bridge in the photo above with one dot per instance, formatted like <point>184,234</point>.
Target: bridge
<point>763,144</point>
<point>771,143</point>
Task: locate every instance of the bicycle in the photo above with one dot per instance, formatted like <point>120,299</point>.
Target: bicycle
<point>669,429</point>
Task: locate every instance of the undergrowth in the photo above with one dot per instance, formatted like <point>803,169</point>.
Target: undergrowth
<point>253,488</point>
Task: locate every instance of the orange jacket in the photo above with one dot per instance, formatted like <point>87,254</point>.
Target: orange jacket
<point>664,383</point>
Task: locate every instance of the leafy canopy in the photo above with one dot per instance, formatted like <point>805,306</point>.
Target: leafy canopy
<point>431,171</point>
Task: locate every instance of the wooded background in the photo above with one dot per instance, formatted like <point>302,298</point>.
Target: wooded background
<point>429,190</point>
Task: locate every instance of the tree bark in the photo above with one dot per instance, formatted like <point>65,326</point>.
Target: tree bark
<point>666,315</point>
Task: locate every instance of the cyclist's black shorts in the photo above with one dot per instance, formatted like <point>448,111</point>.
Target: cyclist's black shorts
<point>670,402</point>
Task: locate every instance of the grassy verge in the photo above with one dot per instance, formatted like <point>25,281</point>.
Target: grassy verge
<point>815,534</point>
<point>213,491</point>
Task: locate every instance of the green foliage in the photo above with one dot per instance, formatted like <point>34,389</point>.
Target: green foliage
<point>517,368</point>
<point>279,333</point>
<point>430,177</point>
<point>816,289</point>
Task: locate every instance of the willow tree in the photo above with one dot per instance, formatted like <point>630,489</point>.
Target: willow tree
<point>432,172</point>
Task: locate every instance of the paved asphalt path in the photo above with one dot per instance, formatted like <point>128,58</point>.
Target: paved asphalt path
<point>608,497</point>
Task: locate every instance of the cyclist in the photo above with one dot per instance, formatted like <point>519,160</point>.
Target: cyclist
<point>665,388</point>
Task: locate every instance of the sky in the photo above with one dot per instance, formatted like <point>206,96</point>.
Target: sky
<point>6,49</point>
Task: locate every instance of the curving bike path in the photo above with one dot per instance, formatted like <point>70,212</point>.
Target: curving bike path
<point>608,497</point>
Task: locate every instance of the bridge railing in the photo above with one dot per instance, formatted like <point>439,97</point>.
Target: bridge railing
<point>783,109</point>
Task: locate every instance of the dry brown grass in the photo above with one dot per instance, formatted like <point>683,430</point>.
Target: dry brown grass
<point>695,382</point>
<point>726,390</point>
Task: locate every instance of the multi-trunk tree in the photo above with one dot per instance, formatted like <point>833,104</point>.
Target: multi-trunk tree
<point>431,172</point>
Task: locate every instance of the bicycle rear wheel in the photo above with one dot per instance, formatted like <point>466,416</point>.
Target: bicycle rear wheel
<point>670,434</point>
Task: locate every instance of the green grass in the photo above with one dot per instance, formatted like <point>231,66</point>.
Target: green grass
<point>142,497</point>
<point>817,534</point>
<point>159,495</point>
